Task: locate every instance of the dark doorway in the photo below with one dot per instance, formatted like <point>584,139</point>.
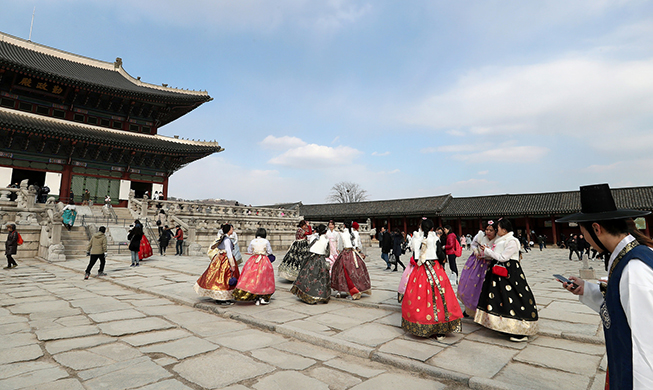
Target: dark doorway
<point>140,188</point>
<point>34,177</point>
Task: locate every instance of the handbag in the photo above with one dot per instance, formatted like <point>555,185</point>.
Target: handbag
<point>392,259</point>
<point>272,258</point>
<point>233,281</point>
<point>500,270</point>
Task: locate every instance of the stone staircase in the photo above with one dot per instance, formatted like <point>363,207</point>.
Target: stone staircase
<point>74,241</point>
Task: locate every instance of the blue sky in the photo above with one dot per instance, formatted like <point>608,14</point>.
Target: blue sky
<point>406,99</point>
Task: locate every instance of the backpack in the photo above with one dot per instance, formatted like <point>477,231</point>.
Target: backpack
<point>20,239</point>
<point>458,250</point>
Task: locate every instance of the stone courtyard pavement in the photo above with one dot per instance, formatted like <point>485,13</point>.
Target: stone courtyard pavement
<point>146,328</point>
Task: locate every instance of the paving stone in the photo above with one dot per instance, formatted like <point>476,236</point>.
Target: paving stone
<point>64,312</point>
<point>465,356</point>
<point>194,317</point>
<point>100,305</point>
<point>603,366</point>
<point>559,359</point>
<point>410,349</point>
<point>284,360</point>
<point>57,346</point>
<point>289,380</point>
<point>564,326</point>
<point>336,321</point>
<point>116,315</point>
<point>371,334</point>
<point>136,375</point>
<point>20,354</point>
<point>138,340</point>
<point>399,381</point>
<point>569,345</point>
<point>81,360</point>
<point>311,326</point>
<point>306,350</point>
<point>393,319</point>
<point>313,310</point>
<point>182,348</point>
<point>14,369</point>
<point>216,327</point>
<point>165,361</point>
<point>246,340</point>
<point>518,375</point>
<point>120,328</point>
<point>18,340</point>
<point>165,310</point>
<point>39,307</point>
<point>61,384</point>
<point>110,368</point>
<point>151,302</point>
<point>489,336</point>
<point>33,378</point>
<point>337,380</point>
<point>355,368</point>
<point>168,384</point>
<point>220,368</point>
<point>599,382</point>
<point>362,314</point>
<point>9,319</point>
<point>117,351</point>
<point>278,315</point>
<point>66,333</point>
<point>14,328</point>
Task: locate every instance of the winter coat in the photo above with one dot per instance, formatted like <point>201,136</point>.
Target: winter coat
<point>98,244</point>
<point>11,245</point>
<point>450,245</point>
<point>386,242</point>
<point>397,240</point>
<point>166,236</point>
<point>135,236</point>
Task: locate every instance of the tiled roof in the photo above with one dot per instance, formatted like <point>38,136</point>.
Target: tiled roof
<point>547,203</point>
<point>397,207</point>
<point>59,128</point>
<point>75,70</point>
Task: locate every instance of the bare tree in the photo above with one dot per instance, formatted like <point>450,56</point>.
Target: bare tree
<point>346,192</point>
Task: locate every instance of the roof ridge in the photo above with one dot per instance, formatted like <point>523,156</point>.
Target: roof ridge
<point>92,62</point>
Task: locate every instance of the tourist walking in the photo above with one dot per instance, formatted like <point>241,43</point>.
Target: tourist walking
<point>385,242</point>
<point>256,282</point>
<point>582,246</point>
<point>506,303</point>
<point>332,235</point>
<point>97,249</point>
<point>463,241</point>
<point>164,240</point>
<point>292,261</point>
<point>220,278</point>
<point>469,241</point>
<point>452,249</point>
<point>179,246</point>
<point>313,283</point>
<point>349,272</point>
<point>69,215</point>
<point>540,242</point>
<point>11,246</point>
<point>625,303</point>
<point>397,245</point>
<point>572,244</point>
<point>161,220</point>
<point>473,273</point>
<point>429,306</point>
<point>135,238</point>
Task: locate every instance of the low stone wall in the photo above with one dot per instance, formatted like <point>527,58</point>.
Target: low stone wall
<point>31,238</point>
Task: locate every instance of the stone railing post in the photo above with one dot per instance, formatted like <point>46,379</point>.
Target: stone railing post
<point>194,248</point>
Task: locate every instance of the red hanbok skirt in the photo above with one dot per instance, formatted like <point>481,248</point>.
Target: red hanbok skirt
<point>430,306</point>
<point>256,280</point>
<point>214,282</point>
<point>146,249</point>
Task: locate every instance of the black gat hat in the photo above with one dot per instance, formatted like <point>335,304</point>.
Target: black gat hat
<point>597,204</point>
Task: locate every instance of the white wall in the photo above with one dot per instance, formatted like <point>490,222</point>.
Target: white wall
<point>157,187</point>
<point>125,186</point>
<point>53,180</point>
<point>5,176</point>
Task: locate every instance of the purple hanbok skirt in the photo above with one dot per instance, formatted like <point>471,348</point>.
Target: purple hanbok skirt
<point>470,283</point>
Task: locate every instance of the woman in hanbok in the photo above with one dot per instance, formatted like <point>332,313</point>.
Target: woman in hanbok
<point>407,271</point>
<point>506,303</point>
<point>332,235</point>
<point>145,250</point>
<point>69,215</point>
<point>219,279</point>
<point>292,261</point>
<point>349,272</point>
<point>237,255</point>
<point>473,273</point>
<point>429,306</point>
<point>313,283</point>
<point>256,282</point>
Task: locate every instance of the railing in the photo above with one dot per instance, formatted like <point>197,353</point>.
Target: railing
<point>204,209</point>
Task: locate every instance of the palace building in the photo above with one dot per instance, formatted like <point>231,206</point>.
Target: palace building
<point>75,123</point>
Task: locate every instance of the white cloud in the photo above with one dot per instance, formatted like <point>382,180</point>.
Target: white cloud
<point>483,172</point>
<point>450,149</point>
<point>380,154</point>
<point>313,156</point>
<point>576,96</point>
<point>281,143</point>
<point>509,154</point>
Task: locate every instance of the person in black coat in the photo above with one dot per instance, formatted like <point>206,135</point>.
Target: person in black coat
<point>164,239</point>
<point>397,241</point>
<point>11,246</point>
<point>135,236</point>
<point>385,243</point>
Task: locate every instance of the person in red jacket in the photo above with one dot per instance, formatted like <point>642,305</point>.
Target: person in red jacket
<point>179,236</point>
<point>450,249</point>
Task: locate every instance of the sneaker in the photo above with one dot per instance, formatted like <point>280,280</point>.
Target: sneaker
<point>86,275</point>
<point>264,302</point>
<point>133,265</point>
<point>227,303</point>
<point>519,339</point>
<point>338,295</point>
<point>137,265</point>
<point>7,267</point>
<point>258,302</point>
<point>101,274</point>
<point>440,337</point>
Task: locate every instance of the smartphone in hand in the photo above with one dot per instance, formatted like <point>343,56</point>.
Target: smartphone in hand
<point>562,279</point>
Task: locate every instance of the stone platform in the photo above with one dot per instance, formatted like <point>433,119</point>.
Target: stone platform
<point>146,328</point>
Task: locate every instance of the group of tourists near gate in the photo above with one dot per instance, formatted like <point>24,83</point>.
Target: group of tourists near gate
<point>492,286</point>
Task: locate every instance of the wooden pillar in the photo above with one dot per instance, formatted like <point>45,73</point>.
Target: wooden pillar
<point>528,229</point>
<point>66,183</point>
<point>460,227</point>
<point>554,230</point>
<point>439,222</point>
<point>165,189</point>
<point>647,231</point>
<point>389,224</point>
<point>480,224</point>
<point>406,225</point>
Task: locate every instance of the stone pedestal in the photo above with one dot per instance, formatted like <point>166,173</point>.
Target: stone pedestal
<point>587,273</point>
